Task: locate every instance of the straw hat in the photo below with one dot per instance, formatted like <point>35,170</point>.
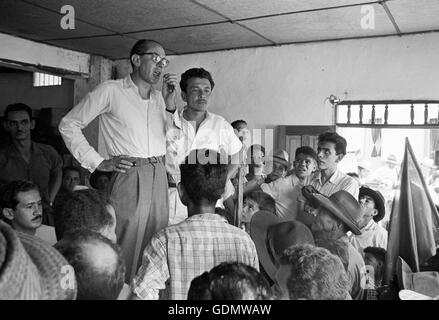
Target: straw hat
<point>281,156</point>
<point>32,270</point>
<point>273,235</point>
<point>341,204</point>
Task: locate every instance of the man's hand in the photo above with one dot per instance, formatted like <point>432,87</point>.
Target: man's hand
<point>118,164</point>
<point>169,90</point>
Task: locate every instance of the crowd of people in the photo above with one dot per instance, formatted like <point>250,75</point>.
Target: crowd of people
<point>157,217</point>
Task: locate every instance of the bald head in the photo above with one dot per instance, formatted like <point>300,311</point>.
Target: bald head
<point>98,264</point>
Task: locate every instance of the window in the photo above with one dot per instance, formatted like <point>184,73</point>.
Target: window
<point>44,80</point>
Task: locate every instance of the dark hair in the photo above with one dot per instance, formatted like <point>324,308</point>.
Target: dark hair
<point>10,191</point>
<point>71,168</point>
<point>204,175</point>
<point>264,200</point>
<point>251,150</point>
<point>95,282</point>
<point>378,253</point>
<point>238,123</point>
<point>316,274</point>
<point>81,209</point>
<point>334,137</point>
<point>195,73</point>
<point>141,46</point>
<point>230,281</point>
<point>18,107</point>
<point>306,150</point>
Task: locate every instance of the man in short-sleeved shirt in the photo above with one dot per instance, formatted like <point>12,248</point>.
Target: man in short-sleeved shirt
<point>24,159</point>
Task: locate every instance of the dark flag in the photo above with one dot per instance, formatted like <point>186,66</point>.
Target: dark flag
<point>414,221</point>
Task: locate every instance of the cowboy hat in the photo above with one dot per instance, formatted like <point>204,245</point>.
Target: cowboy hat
<point>377,198</point>
<point>424,282</point>
<point>32,270</point>
<point>342,205</point>
<point>272,235</point>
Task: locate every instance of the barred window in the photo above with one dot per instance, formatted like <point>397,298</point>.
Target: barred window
<point>44,80</point>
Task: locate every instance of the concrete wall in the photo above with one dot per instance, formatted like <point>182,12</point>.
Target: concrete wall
<point>18,87</point>
<point>288,85</point>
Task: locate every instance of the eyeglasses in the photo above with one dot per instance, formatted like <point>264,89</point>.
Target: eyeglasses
<point>157,59</point>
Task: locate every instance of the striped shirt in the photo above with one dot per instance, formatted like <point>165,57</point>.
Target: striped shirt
<point>179,253</point>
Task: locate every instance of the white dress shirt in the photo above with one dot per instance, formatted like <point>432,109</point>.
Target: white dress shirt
<point>214,133</point>
<point>128,124</point>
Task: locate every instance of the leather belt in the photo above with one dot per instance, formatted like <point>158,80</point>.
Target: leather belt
<point>137,162</point>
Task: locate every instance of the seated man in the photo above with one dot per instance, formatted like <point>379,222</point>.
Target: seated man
<point>70,179</point>
<point>30,269</point>
<point>85,209</point>
<point>312,273</point>
<point>22,209</point>
<point>287,190</point>
<point>181,252</point>
<point>335,216</point>
<point>98,264</point>
<point>230,281</point>
<point>372,234</point>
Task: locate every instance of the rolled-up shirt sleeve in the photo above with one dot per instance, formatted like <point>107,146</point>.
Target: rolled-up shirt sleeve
<point>94,104</point>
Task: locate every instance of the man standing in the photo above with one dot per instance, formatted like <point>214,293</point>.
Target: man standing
<point>133,118</point>
<point>24,159</point>
<point>287,191</point>
<point>194,127</point>
<point>181,252</point>
<point>372,234</point>
<point>330,151</point>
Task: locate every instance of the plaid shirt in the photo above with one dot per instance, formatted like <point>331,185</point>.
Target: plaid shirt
<point>181,252</point>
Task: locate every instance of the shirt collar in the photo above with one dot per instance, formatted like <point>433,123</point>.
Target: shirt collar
<point>128,82</point>
<point>370,225</point>
<point>207,216</point>
<point>178,120</point>
<point>34,149</point>
<point>334,179</point>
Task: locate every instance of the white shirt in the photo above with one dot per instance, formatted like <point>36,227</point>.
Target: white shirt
<point>214,133</point>
<point>286,192</point>
<point>373,235</point>
<point>128,124</point>
<point>338,181</point>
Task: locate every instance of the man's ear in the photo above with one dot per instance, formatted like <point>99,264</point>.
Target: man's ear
<point>183,96</point>
<point>135,59</point>
<point>374,212</point>
<point>8,213</point>
<point>32,124</point>
<point>182,193</point>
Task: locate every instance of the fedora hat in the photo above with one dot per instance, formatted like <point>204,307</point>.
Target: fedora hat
<point>273,235</point>
<point>424,282</point>
<point>281,156</point>
<point>342,205</point>
<point>31,269</point>
<point>377,198</point>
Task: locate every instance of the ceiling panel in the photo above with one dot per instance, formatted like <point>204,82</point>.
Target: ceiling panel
<point>419,15</point>
<point>205,38</point>
<point>25,20</point>
<point>112,47</point>
<point>240,9</point>
<point>313,26</point>
<point>136,15</point>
